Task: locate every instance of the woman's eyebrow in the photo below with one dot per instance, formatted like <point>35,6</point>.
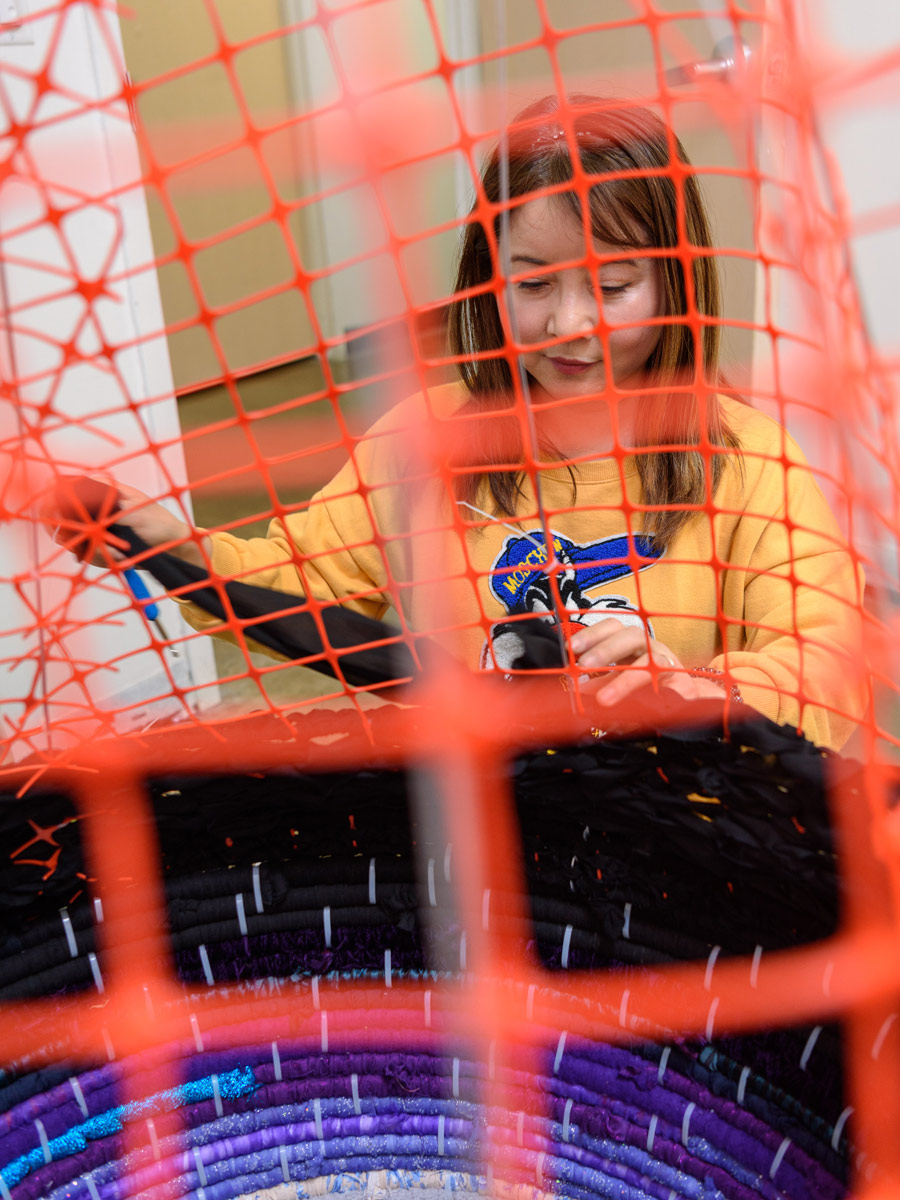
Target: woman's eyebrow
<point>624,262</point>
<point>533,261</point>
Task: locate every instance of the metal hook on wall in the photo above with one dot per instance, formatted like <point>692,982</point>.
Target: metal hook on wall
<point>730,56</point>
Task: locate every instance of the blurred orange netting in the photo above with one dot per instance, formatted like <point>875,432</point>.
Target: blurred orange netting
<point>219,268</point>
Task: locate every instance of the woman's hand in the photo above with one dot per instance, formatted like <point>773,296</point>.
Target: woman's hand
<point>610,643</point>
<point>108,502</point>
<point>155,525</point>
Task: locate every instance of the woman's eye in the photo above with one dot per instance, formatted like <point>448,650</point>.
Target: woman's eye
<point>531,285</point>
<point>614,289</point>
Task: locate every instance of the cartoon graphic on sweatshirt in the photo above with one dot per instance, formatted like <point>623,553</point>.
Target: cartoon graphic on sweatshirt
<point>522,586</point>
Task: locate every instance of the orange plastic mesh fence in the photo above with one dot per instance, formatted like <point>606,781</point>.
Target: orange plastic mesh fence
<point>306,185</point>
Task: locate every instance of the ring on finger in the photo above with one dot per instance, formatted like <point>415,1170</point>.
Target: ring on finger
<point>600,673</point>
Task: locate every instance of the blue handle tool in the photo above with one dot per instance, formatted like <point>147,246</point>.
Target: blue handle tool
<point>151,609</point>
<point>139,591</point>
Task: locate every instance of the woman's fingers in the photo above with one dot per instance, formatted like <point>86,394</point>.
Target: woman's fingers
<point>608,642</point>
<point>619,660</point>
<point>643,672</point>
<point>150,520</point>
<point>637,660</point>
<point>81,509</point>
<point>131,498</point>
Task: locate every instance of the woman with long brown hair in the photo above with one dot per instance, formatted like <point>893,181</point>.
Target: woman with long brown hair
<point>607,483</point>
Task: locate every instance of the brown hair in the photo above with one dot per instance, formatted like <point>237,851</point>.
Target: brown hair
<point>642,209</point>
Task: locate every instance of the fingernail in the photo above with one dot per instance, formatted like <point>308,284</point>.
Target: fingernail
<point>607,696</point>
<point>577,642</point>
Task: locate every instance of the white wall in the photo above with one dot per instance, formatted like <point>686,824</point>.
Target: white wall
<point>861,129</point>
<point>71,641</point>
<point>841,397</point>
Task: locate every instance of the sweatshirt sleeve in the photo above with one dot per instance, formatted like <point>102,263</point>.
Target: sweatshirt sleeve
<point>336,549</point>
<point>329,551</point>
<point>799,657</point>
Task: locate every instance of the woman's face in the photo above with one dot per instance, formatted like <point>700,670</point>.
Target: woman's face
<point>568,305</point>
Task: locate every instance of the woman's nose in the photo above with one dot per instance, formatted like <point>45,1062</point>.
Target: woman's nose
<point>575,314</point>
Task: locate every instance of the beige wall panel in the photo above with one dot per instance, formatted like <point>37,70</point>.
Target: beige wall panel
<point>221,208</point>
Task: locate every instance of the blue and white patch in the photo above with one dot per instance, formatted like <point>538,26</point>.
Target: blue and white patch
<point>521,585</point>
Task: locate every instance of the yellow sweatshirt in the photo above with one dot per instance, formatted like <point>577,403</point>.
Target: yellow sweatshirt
<point>762,586</point>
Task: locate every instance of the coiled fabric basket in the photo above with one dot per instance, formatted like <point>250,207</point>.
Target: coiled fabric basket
<point>634,852</point>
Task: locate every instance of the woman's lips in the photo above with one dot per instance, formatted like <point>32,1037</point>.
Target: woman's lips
<point>571,366</point>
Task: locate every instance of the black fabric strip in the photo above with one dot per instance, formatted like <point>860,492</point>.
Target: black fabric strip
<point>284,623</point>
